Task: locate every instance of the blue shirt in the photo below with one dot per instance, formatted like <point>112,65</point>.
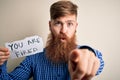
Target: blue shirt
<point>40,68</point>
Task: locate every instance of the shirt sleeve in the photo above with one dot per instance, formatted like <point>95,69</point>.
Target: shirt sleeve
<point>3,72</point>
<point>97,54</point>
<point>22,72</point>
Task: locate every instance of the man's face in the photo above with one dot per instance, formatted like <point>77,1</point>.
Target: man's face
<point>63,27</point>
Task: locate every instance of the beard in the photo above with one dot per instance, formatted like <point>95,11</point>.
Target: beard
<point>58,51</point>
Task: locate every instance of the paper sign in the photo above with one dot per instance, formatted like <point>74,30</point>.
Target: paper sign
<point>25,47</point>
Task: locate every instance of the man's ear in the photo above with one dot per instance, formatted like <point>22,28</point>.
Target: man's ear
<point>76,27</point>
<point>50,25</point>
<point>76,24</point>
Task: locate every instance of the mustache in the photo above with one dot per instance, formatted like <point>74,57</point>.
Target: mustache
<point>63,36</point>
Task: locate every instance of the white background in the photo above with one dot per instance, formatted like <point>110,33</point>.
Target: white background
<point>99,27</point>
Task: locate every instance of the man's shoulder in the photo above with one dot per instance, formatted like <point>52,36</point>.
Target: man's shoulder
<point>86,47</point>
<point>80,46</point>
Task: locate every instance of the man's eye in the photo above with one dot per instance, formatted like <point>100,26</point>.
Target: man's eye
<point>57,24</point>
<point>70,24</point>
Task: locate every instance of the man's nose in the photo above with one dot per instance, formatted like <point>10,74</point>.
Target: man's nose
<point>64,29</point>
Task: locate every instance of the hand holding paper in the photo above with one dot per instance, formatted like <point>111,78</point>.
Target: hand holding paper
<point>4,55</point>
<point>25,47</point>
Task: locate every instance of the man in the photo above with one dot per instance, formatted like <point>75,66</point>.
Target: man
<point>62,58</point>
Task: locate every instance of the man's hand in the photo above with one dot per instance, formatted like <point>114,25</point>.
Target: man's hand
<point>4,55</point>
<point>83,64</point>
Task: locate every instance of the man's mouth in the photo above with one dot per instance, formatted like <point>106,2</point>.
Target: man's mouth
<point>63,39</point>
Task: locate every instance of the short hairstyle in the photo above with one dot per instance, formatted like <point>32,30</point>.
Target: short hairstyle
<point>62,8</point>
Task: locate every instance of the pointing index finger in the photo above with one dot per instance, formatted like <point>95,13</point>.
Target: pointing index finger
<point>74,56</point>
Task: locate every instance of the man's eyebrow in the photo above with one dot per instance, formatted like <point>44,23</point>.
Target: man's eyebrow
<point>56,20</point>
<point>70,21</point>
